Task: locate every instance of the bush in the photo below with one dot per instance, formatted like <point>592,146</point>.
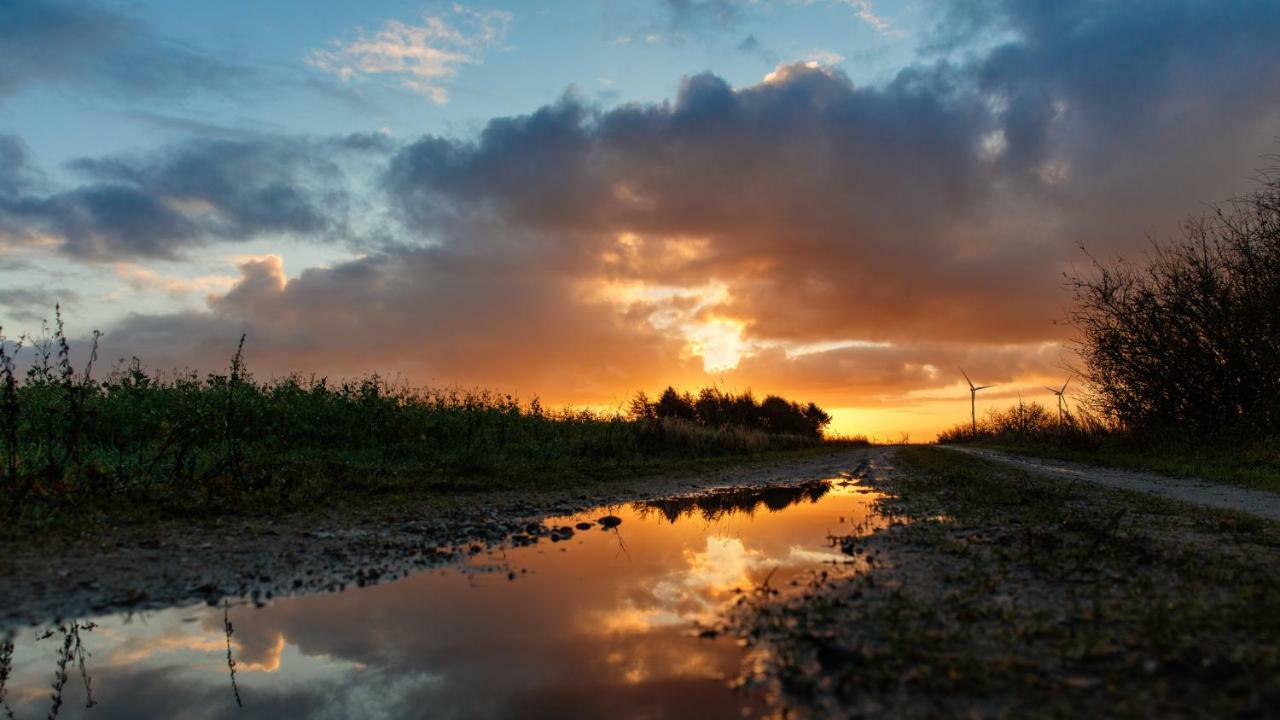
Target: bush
<point>1031,423</point>
<point>1189,340</point>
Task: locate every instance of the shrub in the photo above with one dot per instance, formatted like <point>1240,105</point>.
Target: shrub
<point>1188,341</point>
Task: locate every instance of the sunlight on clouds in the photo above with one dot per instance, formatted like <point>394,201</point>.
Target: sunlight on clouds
<point>824,57</point>
<point>694,594</point>
<point>421,55</point>
<point>270,660</point>
<point>867,14</point>
<point>687,313</point>
<point>143,279</point>
<point>718,341</point>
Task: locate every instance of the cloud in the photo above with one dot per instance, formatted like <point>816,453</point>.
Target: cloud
<point>104,50</point>
<point>751,45</point>
<point>32,304</point>
<point>142,279</point>
<point>824,57</point>
<point>582,252</point>
<point>700,14</point>
<point>15,167</point>
<point>427,314</point>
<point>423,57</point>
<point>190,194</point>
<point>867,13</point>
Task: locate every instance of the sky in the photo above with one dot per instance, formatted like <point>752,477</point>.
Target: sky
<point>842,201</point>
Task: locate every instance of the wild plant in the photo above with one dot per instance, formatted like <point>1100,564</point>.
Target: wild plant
<point>9,412</point>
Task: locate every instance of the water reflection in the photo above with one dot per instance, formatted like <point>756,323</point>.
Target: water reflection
<point>606,623</point>
<point>716,504</point>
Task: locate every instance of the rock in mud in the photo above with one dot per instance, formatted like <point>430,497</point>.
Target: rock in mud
<point>610,521</point>
<point>584,525</point>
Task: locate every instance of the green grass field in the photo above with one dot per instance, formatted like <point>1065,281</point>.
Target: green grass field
<point>72,444</point>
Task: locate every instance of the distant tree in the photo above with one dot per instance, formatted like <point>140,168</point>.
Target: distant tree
<point>672,404</point>
<point>711,407</point>
<point>1189,340</point>
<point>640,408</point>
<point>715,408</point>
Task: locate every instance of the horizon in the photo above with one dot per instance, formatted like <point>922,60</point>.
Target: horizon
<point>834,201</point>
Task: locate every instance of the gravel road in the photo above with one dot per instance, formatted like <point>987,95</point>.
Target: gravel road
<point>1189,490</point>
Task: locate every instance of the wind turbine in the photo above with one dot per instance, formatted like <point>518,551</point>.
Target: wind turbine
<point>1062,400</point>
<point>973,400</point>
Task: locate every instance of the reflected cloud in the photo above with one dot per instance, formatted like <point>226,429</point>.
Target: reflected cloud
<point>582,629</point>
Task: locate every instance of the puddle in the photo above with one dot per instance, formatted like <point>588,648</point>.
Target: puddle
<point>607,622</point>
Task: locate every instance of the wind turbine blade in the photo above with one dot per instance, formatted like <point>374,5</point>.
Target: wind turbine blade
<point>1068,382</point>
<point>1055,391</point>
<point>966,378</point>
<point>983,387</point>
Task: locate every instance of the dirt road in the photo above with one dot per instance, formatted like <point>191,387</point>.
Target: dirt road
<point>181,560</point>
<point>1189,490</point>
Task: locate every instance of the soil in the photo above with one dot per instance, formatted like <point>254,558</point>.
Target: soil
<point>998,591</point>
<point>170,561</point>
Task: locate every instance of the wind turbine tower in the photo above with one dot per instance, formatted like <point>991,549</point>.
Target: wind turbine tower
<point>1062,399</point>
<point>973,401</point>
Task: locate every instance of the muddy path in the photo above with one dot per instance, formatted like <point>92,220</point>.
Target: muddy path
<point>172,562</point>
<point>1002,591</point>
<point>1185,489</point>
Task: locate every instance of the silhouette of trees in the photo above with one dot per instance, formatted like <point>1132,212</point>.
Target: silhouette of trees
<point>1189,339</point>
<point>716,409</point>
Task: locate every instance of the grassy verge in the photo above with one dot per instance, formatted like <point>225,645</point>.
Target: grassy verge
<point>1230,457</point>
<point>1000,593</point>
<point>1253,466</point>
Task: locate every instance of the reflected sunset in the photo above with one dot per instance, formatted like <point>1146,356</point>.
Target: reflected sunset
<point>568,625</point>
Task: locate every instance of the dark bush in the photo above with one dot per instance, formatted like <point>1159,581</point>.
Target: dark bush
<point>1188,341</point>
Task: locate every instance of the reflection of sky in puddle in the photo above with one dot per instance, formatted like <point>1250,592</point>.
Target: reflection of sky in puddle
<point>603,623</point>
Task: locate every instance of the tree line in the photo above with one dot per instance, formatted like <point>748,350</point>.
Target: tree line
<point>715,408</point>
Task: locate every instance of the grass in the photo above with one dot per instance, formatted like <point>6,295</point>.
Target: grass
<point>998,593</point>
<point>77,446</point>
<point>1030,429</point>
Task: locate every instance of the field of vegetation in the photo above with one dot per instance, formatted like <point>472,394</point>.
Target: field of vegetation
<point>1180,354</point>
<point>72,441</point>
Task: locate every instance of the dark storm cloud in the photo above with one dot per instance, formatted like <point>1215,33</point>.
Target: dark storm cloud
<point>935,210</point>
<point>111,52</point>
<point>193,193</point>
